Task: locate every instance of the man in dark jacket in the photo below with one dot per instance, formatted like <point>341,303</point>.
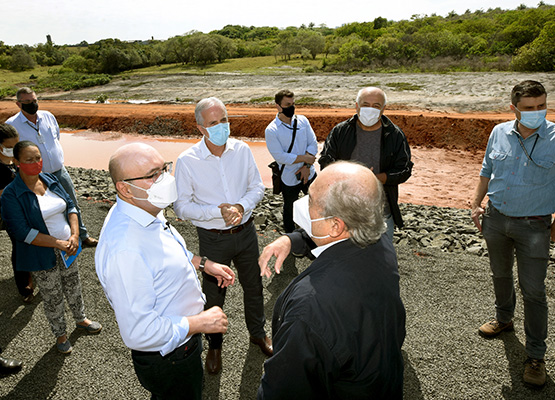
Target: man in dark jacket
<point>339,326</point>
<point>372,139</point>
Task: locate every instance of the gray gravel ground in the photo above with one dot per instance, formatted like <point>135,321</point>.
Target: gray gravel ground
<point>447,296</point>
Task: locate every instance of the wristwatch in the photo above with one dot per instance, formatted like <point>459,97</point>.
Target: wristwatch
<point>202,262</point>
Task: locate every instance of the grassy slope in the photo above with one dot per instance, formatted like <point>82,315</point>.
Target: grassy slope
<point>253,65</point>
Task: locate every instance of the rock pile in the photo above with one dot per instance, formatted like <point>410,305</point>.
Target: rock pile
<point>448,229</point>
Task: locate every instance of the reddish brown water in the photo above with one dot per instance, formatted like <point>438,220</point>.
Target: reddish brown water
<point>440,177</point>
<point>89,149</point>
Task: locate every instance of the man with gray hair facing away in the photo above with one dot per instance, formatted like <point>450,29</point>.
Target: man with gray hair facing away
<point>339,326</point>
<point>218,187</point>
<point>372,139</point>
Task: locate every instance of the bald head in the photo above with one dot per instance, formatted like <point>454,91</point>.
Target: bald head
<point>352,193</point>
<point>133,160</point>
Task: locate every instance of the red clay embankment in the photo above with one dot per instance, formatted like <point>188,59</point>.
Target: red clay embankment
<point>441,130</point>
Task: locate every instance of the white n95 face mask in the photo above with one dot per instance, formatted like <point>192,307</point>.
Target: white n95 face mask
<point>162,193</point>
<point>369,116</point>
<point>301,216</point>
<point>7,152</point>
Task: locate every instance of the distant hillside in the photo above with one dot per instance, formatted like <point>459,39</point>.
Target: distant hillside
<point>494,40</point>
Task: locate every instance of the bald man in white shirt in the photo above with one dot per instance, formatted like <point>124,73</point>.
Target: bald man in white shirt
<point>150,277</point>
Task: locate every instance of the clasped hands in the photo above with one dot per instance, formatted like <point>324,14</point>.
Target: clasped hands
<point>232,213</point>
<point>70,246</point>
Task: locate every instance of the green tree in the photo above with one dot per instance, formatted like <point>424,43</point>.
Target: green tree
<point>225,47</point>
<point>78,64</point>
<point>21,60</point>
<point>538,55</point>
<point>312,41</point>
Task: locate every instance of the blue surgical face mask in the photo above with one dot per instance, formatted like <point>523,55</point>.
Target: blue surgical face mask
<point>218,133</point>
<point>532,119</point>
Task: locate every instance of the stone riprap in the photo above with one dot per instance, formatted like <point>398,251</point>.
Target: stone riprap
<point>448,229</point>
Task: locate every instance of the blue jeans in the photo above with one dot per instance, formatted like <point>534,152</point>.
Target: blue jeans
<point>390,226</point>
<point>529,239</point>
<point>65,180</point>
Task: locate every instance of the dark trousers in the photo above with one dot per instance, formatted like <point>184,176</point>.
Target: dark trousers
<point>242,249</point>
<point>177,375</point>
<point>290,194</point>
<point>529,240</point>
<point>23,279</point>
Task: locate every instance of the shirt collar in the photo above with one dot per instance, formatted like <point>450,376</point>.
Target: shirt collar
<point>139,215</point>
<point>279,121</point>
<point>205,152</point>
<point>320,249</point>
<point>541,131</point>
<point>23,118</point>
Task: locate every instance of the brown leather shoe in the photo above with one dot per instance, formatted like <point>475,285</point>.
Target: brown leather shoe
<point>9,366</point>
<point>494,328</point>
<point>265,345</point>
<point>534,372</point>
<point>213,361</point>
<point>90,242</point>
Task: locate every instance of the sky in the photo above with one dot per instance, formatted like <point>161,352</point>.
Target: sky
<point>72,21</point>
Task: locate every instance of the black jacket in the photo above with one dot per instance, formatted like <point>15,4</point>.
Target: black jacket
<point>394,156</point>
<point>338,328</point>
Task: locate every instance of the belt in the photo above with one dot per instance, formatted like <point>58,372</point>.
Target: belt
<point>188,347</point>
<point>533,217</point>
<point>235,229</point>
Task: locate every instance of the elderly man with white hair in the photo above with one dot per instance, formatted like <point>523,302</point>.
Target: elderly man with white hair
<point>372,139</point>
<point>339,326</point>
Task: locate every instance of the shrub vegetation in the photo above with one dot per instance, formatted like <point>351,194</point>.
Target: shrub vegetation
<point>522,39</point>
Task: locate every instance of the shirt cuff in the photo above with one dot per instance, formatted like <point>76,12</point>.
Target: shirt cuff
<point>31,236</point>
<point>180,327</point>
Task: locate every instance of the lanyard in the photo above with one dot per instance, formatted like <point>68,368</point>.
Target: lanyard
<point>524,148</point>
<point>40,138</point>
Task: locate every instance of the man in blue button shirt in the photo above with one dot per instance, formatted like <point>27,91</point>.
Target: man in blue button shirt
<point>518,175</point>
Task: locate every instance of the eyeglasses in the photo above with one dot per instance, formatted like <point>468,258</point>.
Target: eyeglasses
<point>168,167</point>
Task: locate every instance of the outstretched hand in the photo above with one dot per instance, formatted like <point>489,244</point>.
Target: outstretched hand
<point>279,248</point>
<point>222,273</point>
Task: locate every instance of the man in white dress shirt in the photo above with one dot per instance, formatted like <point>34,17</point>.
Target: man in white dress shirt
<point>41,128</point>
<point>218,187</point>
<point>150,277</point>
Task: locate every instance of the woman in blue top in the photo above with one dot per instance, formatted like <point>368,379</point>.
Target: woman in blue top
<point>42,220</point>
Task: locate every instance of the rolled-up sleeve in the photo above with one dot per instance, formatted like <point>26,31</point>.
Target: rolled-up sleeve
<point>130,285</point>
<point>13,216</point>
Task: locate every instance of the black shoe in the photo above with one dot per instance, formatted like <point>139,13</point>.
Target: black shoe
<point>9,366</point>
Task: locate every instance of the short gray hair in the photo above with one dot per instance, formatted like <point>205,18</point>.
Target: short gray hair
<point>205,104</point>
<point>359,207</point>
<point>23,90</point>
<point>371,87</point>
